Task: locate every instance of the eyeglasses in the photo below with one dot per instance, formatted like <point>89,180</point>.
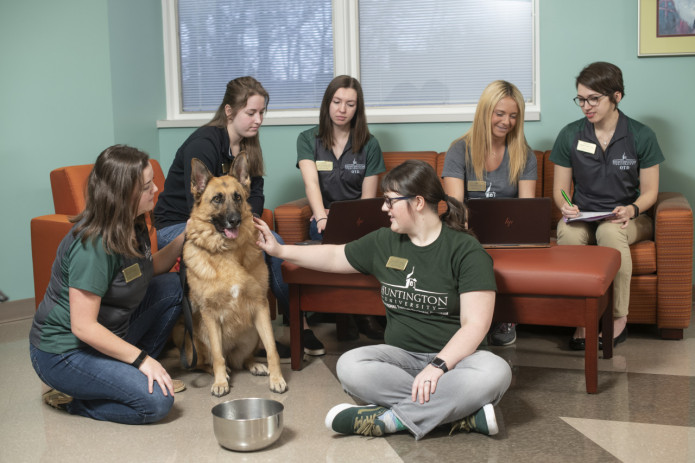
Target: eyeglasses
<point>389,201</point>
<point>592,100</point>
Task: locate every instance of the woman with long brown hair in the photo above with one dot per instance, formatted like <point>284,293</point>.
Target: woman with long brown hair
<point>340,160</point>
<point>111,303</point>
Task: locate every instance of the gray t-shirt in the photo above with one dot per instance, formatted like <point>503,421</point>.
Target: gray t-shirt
<point>496,182</point>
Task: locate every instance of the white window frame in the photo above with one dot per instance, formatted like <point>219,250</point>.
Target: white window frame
<point>346,61</point>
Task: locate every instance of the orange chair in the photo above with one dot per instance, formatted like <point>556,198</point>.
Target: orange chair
<point>68,185</point>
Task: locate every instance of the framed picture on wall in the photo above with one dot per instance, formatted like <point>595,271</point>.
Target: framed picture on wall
<point>666,27</point>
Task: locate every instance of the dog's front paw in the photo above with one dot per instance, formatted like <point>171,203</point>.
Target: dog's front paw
<point>258,369</point>
<point>220,388</point>
<point>278,384</point>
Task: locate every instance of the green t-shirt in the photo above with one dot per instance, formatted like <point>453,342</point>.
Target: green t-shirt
<point>422,298</point>
<point>120,281</point>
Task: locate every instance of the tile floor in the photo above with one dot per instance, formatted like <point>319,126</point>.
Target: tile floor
<point>644,412</point>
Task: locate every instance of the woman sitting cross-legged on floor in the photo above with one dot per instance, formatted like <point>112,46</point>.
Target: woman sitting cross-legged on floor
<point>438,287</point>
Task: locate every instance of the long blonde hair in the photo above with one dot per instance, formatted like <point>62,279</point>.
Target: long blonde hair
<point>479,137</point>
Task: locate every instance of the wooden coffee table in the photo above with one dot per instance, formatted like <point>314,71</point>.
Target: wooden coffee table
<point>555,286</point>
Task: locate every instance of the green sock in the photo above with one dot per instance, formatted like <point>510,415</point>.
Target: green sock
<point>391,422</point>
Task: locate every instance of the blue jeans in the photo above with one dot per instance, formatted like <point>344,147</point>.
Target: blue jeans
<point>314,231</point>
<point>107,389</point>
<point>280,289</point>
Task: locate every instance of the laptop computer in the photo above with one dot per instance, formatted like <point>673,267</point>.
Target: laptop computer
<point>352,219</point>
<point>510,222</point>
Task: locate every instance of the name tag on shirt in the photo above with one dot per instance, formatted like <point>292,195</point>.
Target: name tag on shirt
<point>324,166</point>
<point>397,263</point>
<point>476,185</point>
<point>586,147</point>
<point>132,272</point>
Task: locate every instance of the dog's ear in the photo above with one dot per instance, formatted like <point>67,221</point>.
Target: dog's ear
<point>240,169</point>
<point>200,176</point>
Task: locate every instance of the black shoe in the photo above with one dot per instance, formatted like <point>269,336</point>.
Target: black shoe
<point>370,327</point>
<point>622,337</point>
<point>312,346</point>
<point>577,343</point>
<point>283,353</point>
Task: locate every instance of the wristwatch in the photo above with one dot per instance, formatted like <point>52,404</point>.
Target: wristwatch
<point>439,363</point>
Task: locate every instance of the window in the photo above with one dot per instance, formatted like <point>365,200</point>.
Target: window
<point>417,60</point>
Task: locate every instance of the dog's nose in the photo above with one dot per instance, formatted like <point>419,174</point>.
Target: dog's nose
<point>234,220</point>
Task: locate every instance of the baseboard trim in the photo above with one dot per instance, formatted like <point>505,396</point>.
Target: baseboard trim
<point>13,311</point>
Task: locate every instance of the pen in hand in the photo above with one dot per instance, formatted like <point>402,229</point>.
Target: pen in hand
<point>567,198</point>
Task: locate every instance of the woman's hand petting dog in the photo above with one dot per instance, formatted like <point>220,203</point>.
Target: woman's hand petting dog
<point>266,240</point>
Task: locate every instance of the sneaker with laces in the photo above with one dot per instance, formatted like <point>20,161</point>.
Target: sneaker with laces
<point>283,352</point>
<point>482,421</point>
<point>503,334</point>
<point>355,419</point>
<point>56,399</point>
<point>312,346</point>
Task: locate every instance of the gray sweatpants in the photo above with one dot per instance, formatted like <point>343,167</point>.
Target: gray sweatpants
<point>384,374</point>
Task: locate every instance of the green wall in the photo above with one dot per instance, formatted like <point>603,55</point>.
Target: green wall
<point>80,75</point>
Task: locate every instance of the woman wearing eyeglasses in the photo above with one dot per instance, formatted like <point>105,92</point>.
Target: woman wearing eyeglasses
<point>340,160</point>
<point>438,287</point>
<point>613,162</point>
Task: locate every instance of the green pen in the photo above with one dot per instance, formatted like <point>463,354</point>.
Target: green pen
<point>567,198</point>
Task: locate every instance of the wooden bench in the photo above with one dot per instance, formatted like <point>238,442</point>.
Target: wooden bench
<point>556,286</point>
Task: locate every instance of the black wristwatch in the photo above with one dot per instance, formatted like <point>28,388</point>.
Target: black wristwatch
<point>636,210</point>
<point>439,363</point>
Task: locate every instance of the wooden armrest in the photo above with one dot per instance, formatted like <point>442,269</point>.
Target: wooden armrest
<point>673,237</point>
<point>292,220</point>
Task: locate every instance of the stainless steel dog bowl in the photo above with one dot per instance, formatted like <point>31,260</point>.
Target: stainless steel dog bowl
<point>247,424</point>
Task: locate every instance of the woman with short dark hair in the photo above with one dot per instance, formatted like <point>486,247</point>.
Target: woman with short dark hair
<point>613,163</point>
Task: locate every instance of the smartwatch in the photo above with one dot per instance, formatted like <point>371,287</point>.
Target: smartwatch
<point>439,363</point>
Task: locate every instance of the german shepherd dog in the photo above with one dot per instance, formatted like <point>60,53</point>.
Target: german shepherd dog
<point>227,278</point>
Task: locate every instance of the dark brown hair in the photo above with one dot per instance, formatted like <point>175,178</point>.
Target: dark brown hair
<point>602,77</point>
<point>417,178</point>
<point>237,96</point>
<point>113,194</point>
<point>358,124</point>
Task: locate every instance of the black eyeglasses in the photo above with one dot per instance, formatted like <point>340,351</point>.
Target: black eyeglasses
<point>389,201</point>
<point>592,100</point>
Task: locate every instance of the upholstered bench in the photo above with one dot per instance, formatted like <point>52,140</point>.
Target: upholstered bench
<point>556,286</point>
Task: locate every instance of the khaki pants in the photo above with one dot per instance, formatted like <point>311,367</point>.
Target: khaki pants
<point>611,235</point>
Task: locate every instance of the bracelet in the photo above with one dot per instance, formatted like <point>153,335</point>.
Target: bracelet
<point>636,210</point>
<point>322,218</point>
<point>141,358</point>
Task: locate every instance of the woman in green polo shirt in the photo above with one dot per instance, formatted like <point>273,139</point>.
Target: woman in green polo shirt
<point>438,287</point>
<point>613,163</point>
<point>111,303</point>
<point>340,160</point>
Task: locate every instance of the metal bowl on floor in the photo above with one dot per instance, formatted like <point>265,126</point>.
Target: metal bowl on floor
<point>247,424</point>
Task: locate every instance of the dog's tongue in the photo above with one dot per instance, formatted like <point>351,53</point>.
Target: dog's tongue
<point>231,233</point>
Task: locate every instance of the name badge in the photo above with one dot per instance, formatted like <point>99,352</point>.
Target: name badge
<point>324,166</point>
<point>476,185</point>
<point>586,147</point>
<point>132,272</point>
<point>397,263</point>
